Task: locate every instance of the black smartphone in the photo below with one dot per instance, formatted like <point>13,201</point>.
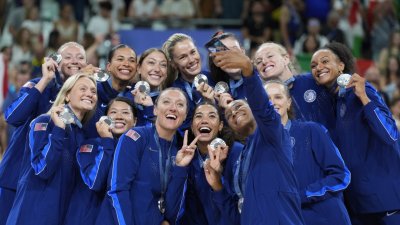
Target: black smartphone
<point>215,45</point>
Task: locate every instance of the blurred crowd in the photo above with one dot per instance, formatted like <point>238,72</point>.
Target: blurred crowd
<point>32,29</point>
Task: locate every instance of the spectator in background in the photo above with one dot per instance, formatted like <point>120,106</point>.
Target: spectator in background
<point>317,9</point>
<point>143,10</point>
<point>22,49</point>
<point>5,57</point>
<point>20,75</point>
<point>313,29</point>
<point>230,9</point>
<point>332,30</point>
<point>66,25</point>
<point>291,25</point>
<point>257,26</point>
<point>90,43</point>
<point>54,42</point>
<point>395,109</point>
<point>177,9</point>
<point>373,76</point>
<point>17,17</point>
<point>102,24</point>
<point>392,77</point>
<point>391,50</point>
<point>34,24</point>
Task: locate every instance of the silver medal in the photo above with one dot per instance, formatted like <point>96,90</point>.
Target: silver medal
<point>143,87</point>
<point>201,78</point>
<point>161,205</point>
<point>108,121</point>
<point>343,80</point>
<point>221,87</point>
<point>66,116</point>
<point>56,57</point>
<point>240,204</point>
<point>101,76</point>
<point>217,142</point>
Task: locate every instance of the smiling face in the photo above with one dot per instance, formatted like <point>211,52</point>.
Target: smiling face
<point>270,61</point>
<point>326,67</point>
<point>73,59</point>
<point>279,98</point>
<point>154,69</point>
<point>122,65</point>
<point>171,110</point>
<point>239,116</point>
<point>123,117</point>
<point>186,59</point>
<point>206,123</point>
<point>82,98</point>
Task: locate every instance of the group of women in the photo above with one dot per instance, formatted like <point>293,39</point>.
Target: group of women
<point>154,159</point>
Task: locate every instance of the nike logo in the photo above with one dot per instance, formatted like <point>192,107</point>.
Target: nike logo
<point>103,105</point>
<point>153,150</point>
<point>51,101</point>
<point>391,213</point>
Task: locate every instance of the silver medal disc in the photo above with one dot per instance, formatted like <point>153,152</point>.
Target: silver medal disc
<point>343,80</point>
<point>143,87</point>
<point>101,76</point>
<point>66,116</point>
<point>56,57</point>
<point>240,204</point>
<point>200,79</point>
<point>217,142</point>
<point>108,121</point>
<point>221,87</point>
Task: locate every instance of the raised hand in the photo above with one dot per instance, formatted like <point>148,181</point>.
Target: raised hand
<point>185,155</point>
<point>233,59</point>
<point>224,99</point>
<point>141,98</point>
<point>213,177</point>
<point>358,83</point>
<point>103,129</point>
<point>55,116</point>
<point>206,91</point>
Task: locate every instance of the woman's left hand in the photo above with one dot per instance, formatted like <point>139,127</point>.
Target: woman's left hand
<point>358,83</point>
<point>142,98</point>
<point>185,155</point>
<point>206,91</point>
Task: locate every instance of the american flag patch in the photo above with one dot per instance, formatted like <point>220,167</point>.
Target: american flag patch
<point>29,84</point>
<point>40,127</point>
<point>133,134</point>
<point>86,148</point>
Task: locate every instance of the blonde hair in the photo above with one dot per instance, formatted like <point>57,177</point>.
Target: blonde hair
<point>282,50</point>
<point>66,88</point>
<point>168,48</point>
<point>71,44</point>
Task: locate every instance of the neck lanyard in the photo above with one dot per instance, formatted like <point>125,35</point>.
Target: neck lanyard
<point>188,88</point>
<point>241,172</point>
<point>234,85</point>
<point>288,125</point>
<point>289,81</point>
<point>154,94</point>
<point>164,171</point>
<point>76,120</point>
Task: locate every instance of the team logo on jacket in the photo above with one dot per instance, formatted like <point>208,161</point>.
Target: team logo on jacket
<point>133,135</point>
<point>310,96</point>
<point>86,148</point>
<point>342,109</point>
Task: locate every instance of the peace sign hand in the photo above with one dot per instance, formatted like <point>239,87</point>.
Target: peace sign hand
<point>185,155</point>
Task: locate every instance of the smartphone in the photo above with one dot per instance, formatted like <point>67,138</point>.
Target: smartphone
<point>215,45</point>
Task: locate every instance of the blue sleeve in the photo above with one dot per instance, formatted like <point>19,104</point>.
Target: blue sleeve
<point>123,172</point>
<point>95,164</point>
<point>24,106</point>
<point>327,156</point>
<point>379,118</point>
<point>268,120</point>
<point>227,206</point>
<point>175,195</point>
<point>46,145</point>
<point>145,115</point>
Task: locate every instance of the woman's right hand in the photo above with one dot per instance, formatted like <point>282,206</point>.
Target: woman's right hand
<point>103,129</point>
<point>224,99</point>
<point>206,91</point>
<point>49,68</point>
<point>142,98</point>
<point>55,116</point>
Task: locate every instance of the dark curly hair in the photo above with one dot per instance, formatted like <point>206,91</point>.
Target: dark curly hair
<point>344,54</point>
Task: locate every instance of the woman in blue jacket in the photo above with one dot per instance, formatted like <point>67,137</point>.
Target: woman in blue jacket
<point>264,180</point>
<point>319,167</point>
<point>148,174</point>
<point>49,169</point>
<point>207,124</point>
<point>94,159</point>
<point>366,135</point>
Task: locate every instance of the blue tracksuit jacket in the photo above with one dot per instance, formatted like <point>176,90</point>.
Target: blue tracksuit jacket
<point>94,159</point>
<point>194,97</point>
<point>366,137</point>
<point>200,207</point>
<point>49,172</point>
<point>312,102</point>
<point>270,195</point>
<point>321,173</point>
<point>19,114</point>
<point>135,181</point>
